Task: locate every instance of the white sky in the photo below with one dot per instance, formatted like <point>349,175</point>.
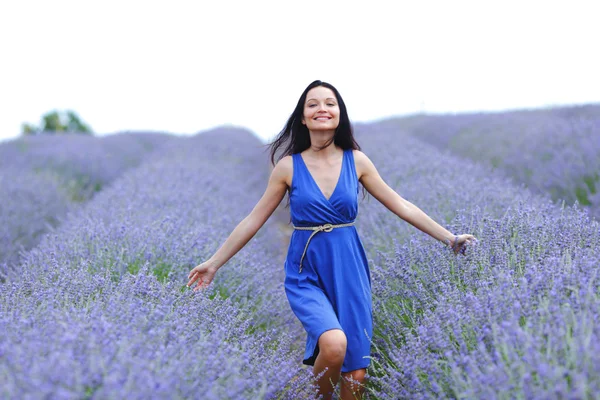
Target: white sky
<point>183,67</point>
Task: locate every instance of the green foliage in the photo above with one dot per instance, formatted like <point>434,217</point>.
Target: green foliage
<point>160,269</point>
<point>28,129</point>
<point>591,181</point>
<point>57,122</point>
<point>582,196</point>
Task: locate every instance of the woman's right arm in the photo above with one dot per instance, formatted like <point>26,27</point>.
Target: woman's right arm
<point>248,227</point>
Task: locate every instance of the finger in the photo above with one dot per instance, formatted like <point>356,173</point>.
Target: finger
<point>192,272</point>
<point>196,287</point>
<point>194,278</point>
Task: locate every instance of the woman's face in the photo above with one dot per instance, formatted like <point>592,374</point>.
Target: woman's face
<point>321,109</point>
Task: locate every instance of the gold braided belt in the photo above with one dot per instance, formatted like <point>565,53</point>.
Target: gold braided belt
<point>317,229</point>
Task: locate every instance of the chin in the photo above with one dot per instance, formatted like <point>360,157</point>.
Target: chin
<point>324,127</point>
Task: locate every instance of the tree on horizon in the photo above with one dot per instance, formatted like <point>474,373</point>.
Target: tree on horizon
<point>57,122</point>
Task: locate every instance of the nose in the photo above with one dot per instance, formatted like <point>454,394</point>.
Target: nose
<point>320,106</point>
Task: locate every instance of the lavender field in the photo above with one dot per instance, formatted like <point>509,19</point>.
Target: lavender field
<point>43,178</point>
<point>98,308</point>
<point>554,150</point>
<point>516,318</point>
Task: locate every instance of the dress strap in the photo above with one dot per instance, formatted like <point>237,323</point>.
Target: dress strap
<point>317,229</point>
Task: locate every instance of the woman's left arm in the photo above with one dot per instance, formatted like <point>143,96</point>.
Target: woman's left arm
<point>376,186</point>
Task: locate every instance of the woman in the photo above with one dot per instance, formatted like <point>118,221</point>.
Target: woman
<point>327,282</point>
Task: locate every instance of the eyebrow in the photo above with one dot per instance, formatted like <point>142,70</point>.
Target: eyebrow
<point>329,98</point>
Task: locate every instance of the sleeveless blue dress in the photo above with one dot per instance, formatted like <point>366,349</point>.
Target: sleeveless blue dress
<point>333,289</point>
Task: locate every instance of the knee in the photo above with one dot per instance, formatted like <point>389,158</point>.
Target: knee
<point>356,375</point>
<point>333,345</point>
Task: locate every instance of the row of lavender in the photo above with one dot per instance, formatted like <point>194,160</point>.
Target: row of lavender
<point>42,178</point>
<point>553,150</point>
<point>100,309</point>
<point>516,318</point>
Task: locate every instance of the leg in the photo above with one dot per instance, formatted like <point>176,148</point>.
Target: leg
<point>352,390</point>
<point>332,350</point>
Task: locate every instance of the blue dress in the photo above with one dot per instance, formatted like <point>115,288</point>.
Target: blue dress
<point>333,289</point>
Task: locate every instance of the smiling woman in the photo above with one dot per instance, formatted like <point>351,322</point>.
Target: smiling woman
<point>327,277</point>
<point>326,116</point>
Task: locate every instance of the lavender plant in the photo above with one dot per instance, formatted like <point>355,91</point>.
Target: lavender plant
<point>509,320</point>
<point>113,276</point>
<point>29,204</point>
<point>89,336</point>
<point>554,150</point>
<point>438,182</point>
<point>45,177</point>
<point>82,164</point>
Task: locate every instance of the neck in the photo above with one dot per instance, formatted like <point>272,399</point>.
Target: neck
<point>318,139</point>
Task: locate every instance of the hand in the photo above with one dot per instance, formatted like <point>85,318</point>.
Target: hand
<point>463,241</point>
<point>203,273</point>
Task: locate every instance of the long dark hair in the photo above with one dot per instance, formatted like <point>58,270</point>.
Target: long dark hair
<point>295,138</point>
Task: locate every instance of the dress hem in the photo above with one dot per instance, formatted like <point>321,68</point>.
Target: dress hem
<point>308,360</point>
<point>311,360</point>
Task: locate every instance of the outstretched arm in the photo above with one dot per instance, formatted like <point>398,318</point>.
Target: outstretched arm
<point>246,229</point>
<point>376,186</point>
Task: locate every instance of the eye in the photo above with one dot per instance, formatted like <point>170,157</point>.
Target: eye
<point>329,104</point>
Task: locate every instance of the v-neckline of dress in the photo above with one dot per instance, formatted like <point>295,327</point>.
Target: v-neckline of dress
<point>315,182</point>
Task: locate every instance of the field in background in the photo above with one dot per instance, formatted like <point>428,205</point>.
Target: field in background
<point>553,151</point>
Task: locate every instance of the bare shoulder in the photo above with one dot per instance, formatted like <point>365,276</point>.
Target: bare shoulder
<point>283,170</point>
<point>362,163</point>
